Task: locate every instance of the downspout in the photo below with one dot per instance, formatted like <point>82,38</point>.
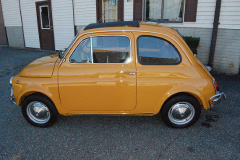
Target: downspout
<point>74,25</point>
<point>214,33</point>
<point>22,23</point>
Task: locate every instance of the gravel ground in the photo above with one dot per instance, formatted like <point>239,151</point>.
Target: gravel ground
<point>96,137</point>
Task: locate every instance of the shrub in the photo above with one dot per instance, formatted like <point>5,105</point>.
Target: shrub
<point>192,42</point>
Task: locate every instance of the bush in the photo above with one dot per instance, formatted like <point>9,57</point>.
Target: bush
<point>192,42</point>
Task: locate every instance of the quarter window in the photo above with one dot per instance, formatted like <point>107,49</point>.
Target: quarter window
<point>82,53</point>
<point>102,49</point>
<point>156,51</point>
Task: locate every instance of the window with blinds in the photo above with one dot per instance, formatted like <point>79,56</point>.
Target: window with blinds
<point>109,10</point>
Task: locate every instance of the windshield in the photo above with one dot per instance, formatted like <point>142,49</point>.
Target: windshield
<point>63,53</point>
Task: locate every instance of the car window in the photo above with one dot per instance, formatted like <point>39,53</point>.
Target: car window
<point>156,51</point>
<point>110,49</point>
<point>82,54</point>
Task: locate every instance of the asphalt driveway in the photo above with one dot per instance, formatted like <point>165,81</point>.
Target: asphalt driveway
<point>96,137</point>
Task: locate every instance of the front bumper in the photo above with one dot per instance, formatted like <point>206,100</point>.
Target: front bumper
<point>12,98</point>
<point>217,99</point>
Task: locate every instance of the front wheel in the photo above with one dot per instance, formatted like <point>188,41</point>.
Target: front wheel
<point>181,111</point>
<point>39,111</point>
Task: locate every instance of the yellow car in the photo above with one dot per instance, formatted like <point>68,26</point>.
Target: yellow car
<point>118,68</point>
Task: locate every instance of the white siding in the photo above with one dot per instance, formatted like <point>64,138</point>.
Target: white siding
<point>62,12</point>
<point>11,13</point>
<point>30,26</point>
<point>205,16</point>
<point>128,10</point>
<point>230,14</point>
<point>85,12</point>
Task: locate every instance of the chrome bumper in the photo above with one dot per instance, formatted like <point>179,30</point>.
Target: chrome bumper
<point>216,99</point>
<point>12,98</point>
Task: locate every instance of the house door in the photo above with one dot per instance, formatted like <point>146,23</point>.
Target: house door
<point>45,25</point>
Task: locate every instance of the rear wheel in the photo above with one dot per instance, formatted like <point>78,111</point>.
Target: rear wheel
<point>181,111</point>
<point>39,111</point>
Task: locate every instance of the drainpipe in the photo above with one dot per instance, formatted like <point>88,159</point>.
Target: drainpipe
<point>214,33</point>
<point>74,25</point>
<point>20,9</point>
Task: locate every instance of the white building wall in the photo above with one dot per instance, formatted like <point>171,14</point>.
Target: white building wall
<point>30,26</point>
<point>62,13</point>
<point>11,13</point>
<point>128,10</point>
<point>230,14</point>
<point>205,16</point>
<point>85,12</point>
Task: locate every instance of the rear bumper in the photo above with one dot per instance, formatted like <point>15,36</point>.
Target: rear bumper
<point>217,99</point>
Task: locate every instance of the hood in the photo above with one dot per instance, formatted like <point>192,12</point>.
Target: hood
<point>42,67</point>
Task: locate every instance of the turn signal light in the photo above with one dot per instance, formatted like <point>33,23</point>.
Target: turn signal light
<point>216,85</point>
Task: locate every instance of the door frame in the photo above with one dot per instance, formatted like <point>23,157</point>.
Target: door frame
<point>37,4</point>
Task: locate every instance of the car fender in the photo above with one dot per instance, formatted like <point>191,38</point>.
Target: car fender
<point>188,89</point>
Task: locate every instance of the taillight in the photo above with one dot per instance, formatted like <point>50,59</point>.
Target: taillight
<point>216,86</point>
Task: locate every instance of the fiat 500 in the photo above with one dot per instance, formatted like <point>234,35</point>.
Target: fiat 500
<point>118,68</point>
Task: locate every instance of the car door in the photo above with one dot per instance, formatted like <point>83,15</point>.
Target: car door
<point>161,67</point>
<point>99,74</point>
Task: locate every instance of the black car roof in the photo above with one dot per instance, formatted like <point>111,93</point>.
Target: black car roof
<point>113,24</point>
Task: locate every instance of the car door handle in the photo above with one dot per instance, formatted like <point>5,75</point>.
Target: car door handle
<point>131,73</point>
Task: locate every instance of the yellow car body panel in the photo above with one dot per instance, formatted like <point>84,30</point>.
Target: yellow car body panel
<point>103,89</point>
<point>41,68</point>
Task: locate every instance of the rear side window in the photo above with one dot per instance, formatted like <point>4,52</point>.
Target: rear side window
<point>156,51</point>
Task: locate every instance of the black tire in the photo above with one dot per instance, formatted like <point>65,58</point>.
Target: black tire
<point>47,113</point>
<point>190,111</point>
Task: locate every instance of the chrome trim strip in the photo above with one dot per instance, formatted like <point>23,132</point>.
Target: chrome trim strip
<point>91,50</point>
<point>135,31</point>
<point>131,73</point>
<point>107,113</point>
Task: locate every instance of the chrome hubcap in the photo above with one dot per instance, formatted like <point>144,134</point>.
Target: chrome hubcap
<point>38,112</point>
<point>181,113</point>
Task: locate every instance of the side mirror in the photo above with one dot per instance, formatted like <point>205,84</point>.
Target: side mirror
<point>60,53</point>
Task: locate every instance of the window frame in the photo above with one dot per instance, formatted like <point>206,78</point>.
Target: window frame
<point>104,11</point>
<point>138,57</point>
<point>41,20</point>
<point>160,21</point>
<point>130,47</point>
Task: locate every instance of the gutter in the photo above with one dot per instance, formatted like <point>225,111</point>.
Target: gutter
<point>214,33</point>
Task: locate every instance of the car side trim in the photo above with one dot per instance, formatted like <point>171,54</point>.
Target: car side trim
<point>106,113</point>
